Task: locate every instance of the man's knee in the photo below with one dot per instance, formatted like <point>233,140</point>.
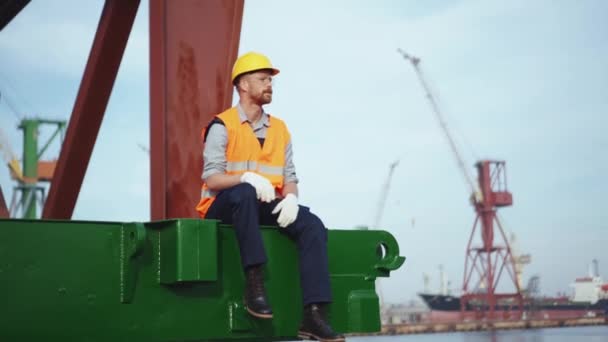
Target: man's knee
<point>315,226</point>
<point>243,193</point>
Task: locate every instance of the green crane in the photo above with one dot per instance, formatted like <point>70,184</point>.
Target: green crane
<point>29,191</point>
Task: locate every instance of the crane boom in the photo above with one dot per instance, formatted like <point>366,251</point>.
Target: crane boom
<point>382,200</point>
<point>376,225</point>
<point>415,63</point>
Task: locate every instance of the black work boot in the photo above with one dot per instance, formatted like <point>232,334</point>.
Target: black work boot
<point>315,325</point>
<point>255,293</point>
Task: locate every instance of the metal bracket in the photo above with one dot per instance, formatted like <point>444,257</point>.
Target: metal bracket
<point>132,238</point>
<point>388,249</point>
<point>238,317</point>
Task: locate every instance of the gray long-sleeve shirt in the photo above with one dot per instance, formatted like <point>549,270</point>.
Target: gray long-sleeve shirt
<point>214,153</point>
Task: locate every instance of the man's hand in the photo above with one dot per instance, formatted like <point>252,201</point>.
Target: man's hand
<point>289,210</point>
<point>263,188</point>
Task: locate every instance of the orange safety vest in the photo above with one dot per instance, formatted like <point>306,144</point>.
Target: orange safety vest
<point>244,153</point>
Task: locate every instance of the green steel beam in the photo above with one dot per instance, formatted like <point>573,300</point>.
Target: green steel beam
<point>176,280</point>
<point>30,166</point>
<point>60,127</point>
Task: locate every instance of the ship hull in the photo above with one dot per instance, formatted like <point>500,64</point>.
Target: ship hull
<point>448,308</point>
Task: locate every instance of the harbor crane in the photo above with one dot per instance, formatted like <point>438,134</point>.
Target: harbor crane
<point>484,264</point>
<point>29,194</point>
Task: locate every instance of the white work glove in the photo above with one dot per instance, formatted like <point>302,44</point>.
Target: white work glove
<point>289,210</point>
<point>263,188</point>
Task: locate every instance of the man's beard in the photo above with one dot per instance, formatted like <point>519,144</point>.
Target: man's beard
<point>264,99</point>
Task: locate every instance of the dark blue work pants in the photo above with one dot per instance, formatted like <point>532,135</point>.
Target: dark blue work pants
<point>240,207</point>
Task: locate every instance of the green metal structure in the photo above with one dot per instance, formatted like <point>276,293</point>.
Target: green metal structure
<point>174,280</point>
<point>30,193</point>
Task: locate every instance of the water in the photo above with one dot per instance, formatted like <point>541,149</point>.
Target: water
<point>575,334</point>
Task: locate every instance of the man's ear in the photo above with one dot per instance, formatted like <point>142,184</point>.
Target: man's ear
<point>243,84</point>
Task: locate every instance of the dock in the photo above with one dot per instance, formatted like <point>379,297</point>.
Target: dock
<point>442,327</point>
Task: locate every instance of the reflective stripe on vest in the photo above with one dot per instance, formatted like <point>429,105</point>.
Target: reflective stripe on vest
<point>207,193</point>
<point>252,165</point>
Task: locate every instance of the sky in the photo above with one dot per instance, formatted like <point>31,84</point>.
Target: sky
<point>519,81</point>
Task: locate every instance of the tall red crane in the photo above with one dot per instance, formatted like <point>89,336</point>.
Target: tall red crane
<point>486,261</point>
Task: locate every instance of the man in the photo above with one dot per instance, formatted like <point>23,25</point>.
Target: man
<point>249,179</point>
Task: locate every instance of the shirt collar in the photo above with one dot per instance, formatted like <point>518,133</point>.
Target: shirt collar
<point>265,120</point>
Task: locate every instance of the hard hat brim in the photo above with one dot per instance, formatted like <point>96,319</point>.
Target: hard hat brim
<point>274,71</point>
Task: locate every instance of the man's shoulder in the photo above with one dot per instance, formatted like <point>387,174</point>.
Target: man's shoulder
<point>274,120</point>
<point>230,117</point>
<point>229,111</point>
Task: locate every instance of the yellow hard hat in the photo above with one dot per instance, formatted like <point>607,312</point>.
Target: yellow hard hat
<point>251,61</point>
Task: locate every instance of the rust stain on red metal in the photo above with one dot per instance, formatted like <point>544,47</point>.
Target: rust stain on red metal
<point>193,45</point>
<point>95,89</point>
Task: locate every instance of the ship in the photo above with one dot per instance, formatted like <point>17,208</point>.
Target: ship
<point>589,299</point>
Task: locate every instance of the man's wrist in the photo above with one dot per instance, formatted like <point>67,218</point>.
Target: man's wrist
<point>291,194</point>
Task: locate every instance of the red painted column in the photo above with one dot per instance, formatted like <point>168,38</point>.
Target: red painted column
<point>3,208</point>
<point>95,88</point>
<point>193,45</point>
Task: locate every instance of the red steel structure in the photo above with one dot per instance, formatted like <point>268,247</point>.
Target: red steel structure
<point>3,207</point>
<point>489,260</point>
<point>193,45</point>
<point>90,106</point>
<point>8,10</point>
